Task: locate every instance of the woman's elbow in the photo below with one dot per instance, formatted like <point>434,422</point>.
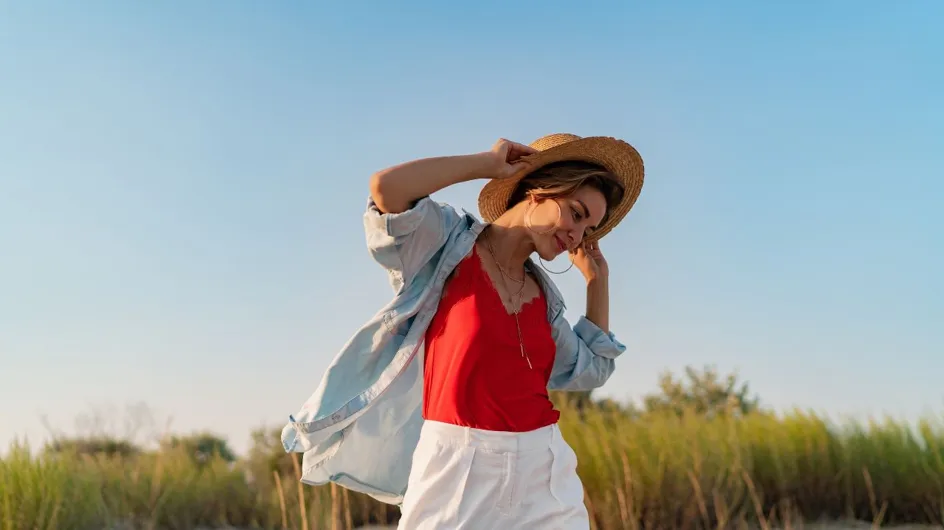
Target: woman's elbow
<point>598,374</point>
<point>590,377</point>
<point>380,193</point>
<point>389,192</point>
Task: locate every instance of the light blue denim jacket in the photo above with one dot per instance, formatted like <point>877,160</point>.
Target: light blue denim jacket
<point>362,423</point>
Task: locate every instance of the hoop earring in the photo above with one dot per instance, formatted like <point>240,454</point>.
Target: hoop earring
<point>561,272</point>
<point>527,219</point>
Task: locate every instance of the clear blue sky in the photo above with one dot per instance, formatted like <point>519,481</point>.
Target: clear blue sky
<point>181,186</point>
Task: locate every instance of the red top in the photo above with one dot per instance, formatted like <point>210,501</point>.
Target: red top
<point>474,374</point>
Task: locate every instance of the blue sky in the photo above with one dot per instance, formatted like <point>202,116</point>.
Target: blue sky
<point>181,188</point>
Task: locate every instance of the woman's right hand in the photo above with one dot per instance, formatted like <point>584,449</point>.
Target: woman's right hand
<point>509,158</point>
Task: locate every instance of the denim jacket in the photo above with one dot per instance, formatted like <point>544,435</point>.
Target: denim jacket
<point>360,426</point>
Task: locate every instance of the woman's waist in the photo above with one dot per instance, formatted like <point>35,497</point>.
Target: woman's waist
<point>491,440</point>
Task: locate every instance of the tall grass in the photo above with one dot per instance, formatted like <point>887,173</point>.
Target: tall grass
<point>695,472</point>
<point>657,471</point>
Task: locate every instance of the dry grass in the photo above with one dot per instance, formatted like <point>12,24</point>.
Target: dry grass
<point>655,472</point>
<point>693,472</point>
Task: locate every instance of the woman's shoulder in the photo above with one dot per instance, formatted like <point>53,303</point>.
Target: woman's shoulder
<point>406,242</point>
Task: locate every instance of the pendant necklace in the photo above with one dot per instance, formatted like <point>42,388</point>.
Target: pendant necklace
<point>515,298</point>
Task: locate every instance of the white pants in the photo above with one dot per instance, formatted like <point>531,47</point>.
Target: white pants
<point>471,478</point>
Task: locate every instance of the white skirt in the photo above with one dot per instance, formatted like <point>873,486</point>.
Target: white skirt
<point>472,478</point>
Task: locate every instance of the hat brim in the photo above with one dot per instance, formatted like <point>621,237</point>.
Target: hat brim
<point>616,156</point>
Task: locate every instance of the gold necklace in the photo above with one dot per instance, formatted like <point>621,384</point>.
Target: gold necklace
<point>502,269</point>
<point>515,299</point>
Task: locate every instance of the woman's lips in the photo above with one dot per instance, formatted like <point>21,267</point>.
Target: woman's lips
<point>560,244</point>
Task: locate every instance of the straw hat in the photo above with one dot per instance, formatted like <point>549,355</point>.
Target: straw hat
<point>616,156</point>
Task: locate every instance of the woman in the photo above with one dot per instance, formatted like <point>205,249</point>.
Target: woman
<point>447,388</point>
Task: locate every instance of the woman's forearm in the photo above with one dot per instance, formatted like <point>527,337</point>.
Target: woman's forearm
<point>395,189</point>
<point>598,303</point>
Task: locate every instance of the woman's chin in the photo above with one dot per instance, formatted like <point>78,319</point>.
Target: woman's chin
<point>549,255</point>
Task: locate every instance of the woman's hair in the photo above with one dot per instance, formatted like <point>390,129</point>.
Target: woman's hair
<point>561,179</point>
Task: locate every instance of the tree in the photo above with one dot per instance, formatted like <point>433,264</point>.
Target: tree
<point>266,455</point>
<point>704,393</point>
<point>202,447</point>
<point>93,446</point>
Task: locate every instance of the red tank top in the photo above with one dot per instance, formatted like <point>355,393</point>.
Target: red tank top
<point>474,374</point>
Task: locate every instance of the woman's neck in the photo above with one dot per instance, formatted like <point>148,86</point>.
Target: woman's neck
<point>510,241</point>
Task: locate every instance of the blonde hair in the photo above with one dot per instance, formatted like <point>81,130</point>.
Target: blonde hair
<point>562,179</point>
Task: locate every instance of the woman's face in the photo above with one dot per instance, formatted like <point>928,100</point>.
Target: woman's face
<point>580,213</point>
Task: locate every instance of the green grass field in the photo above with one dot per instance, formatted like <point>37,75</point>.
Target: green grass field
<point>658,471</point>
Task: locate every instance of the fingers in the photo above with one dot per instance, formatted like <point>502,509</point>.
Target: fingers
<point>513,151</point>
<point>514,156</point>
<point>523,150</point>
<point>593,248</point>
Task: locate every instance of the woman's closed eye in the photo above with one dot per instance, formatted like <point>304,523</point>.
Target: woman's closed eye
<point>575,214</point>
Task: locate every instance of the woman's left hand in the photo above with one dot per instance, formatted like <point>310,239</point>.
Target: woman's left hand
<point>589,259</point>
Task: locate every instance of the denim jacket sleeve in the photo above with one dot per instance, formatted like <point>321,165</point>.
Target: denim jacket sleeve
<point>406,241</point>
<point>585,355</point>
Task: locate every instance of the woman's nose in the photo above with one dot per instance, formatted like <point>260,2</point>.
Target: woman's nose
<point>574,238</point>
